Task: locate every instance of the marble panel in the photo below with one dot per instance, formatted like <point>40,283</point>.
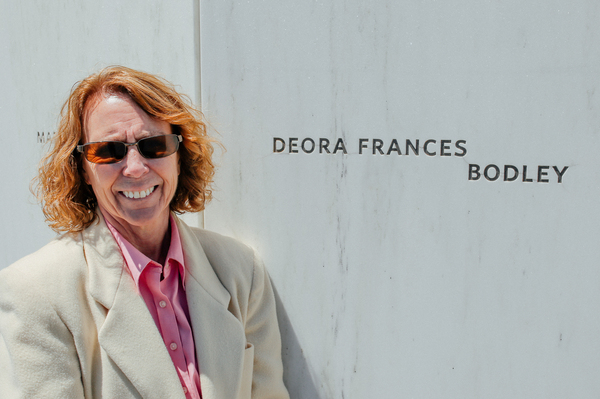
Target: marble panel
<point>45,47</point>
<point>468,270</point>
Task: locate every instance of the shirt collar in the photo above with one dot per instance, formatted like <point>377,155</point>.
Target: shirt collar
<point>137,261</point>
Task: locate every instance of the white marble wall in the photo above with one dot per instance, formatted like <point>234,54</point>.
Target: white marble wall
<point>45,47</point>
<point>399,277</point>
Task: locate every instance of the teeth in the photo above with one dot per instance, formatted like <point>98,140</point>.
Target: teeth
<point>138,194</point>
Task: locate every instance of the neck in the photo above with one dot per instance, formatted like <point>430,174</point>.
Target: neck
<point>152,241</point>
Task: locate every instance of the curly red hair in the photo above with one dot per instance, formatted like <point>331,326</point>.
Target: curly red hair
<point>68,202</point>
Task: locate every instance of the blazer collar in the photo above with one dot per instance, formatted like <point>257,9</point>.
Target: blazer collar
<point>130,337</point>
<point>198,266</point>
<point>218,335</point>
<point>128,334</point>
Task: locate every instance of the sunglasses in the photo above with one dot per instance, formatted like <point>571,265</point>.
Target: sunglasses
<point>114,151</point>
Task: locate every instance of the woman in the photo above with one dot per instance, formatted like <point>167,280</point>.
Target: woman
<point>130,301</point>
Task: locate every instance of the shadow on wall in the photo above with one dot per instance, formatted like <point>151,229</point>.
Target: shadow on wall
<point>296,373</point>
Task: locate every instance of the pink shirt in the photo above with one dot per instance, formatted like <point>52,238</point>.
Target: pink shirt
<point>167,304</point>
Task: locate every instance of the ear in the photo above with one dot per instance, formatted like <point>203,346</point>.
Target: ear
<point>84,163</point>
<point>84,173</point>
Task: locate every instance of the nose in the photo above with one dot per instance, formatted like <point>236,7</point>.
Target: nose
<point>135,165</point>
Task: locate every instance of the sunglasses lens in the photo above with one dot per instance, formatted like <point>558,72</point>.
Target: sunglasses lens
<point>159,146</point>
<point>106,152</point>
<point>114,151</point>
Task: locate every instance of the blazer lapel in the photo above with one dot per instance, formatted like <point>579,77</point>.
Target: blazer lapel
<point>128,334</point>
<point>218,335</point>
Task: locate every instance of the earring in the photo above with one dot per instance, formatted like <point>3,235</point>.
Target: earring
<point>90,203</point>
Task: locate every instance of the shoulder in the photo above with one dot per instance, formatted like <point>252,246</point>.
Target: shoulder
<point>235,264</point>
<point>49,270</point>
<point>230,258</point>
<point>223,248</point>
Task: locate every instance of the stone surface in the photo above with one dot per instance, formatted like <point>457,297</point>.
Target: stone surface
<point>398,276</point>
<point>45,47</point>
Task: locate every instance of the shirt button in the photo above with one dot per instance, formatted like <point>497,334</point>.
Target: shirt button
<point>184,390</point>
<point>173,346</point>
<point>162,304</point>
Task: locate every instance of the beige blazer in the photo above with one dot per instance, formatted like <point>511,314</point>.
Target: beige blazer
<point>72,324</point>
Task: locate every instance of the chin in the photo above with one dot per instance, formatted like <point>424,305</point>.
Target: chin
<point>143,217</point>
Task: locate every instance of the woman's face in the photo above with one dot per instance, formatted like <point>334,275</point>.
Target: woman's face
<point>122,188</point>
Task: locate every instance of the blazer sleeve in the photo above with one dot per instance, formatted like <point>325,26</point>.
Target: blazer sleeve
<point>262,331</point>
<point>37,352</point>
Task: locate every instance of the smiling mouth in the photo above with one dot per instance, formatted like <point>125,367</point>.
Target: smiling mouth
<point>138,194</point>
